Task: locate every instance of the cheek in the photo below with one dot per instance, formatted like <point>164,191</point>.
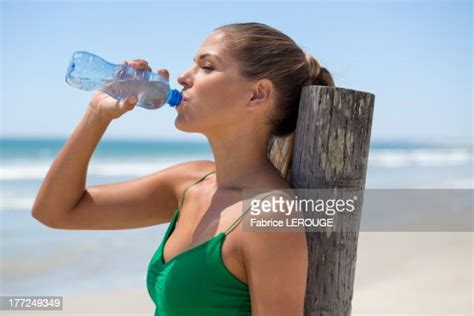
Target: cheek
<point>214,103</point>
<point>216,89</point>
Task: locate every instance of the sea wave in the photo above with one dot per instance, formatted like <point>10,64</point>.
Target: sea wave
<point>37,171</point>
<point>24,169</point>
<point>435,157</point>
<point>460,184</point>
<point>16,203</point>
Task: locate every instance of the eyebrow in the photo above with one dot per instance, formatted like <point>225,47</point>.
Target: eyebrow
<point>208,55</point>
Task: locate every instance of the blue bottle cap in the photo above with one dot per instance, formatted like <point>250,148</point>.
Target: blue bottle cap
<point>174,98</point>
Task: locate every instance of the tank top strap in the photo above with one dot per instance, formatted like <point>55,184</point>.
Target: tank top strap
<point>186,190</point>
<point>237,221</point>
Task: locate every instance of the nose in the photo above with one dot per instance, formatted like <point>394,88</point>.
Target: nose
<point>185,79</point>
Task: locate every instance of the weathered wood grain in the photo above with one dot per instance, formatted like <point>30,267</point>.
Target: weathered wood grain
<point>331,148</point>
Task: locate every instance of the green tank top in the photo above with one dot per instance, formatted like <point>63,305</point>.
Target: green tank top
<point>196,281</point>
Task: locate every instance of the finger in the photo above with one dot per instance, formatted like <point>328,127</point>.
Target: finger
<point>141,61</point>
<point>139,65</point>
<point>164,73</point>
<point>143,67</point>
<point>128,103</point>
<point>131,102</point>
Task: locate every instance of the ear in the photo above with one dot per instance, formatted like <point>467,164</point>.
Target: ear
<point>262,92</point>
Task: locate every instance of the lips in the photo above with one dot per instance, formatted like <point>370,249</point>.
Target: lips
<point>181,104</point>
<point>183,100</point>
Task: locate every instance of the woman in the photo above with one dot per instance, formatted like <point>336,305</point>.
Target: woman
<point>243,89</point>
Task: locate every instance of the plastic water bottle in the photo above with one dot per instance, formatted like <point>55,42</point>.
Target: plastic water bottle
<point>89,72</point>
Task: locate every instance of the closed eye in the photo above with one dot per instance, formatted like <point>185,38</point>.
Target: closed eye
<point>208,69</point>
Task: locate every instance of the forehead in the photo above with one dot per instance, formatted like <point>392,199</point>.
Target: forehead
<point>213,44</point>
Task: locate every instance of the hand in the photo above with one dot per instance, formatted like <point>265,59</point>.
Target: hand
<point>109,108</point>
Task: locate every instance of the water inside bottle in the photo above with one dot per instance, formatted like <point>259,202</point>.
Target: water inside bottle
<point>150,94</point>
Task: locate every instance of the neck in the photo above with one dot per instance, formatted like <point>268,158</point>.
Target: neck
<point>240,158</point>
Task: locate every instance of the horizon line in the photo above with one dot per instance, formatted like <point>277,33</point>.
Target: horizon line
<point>375,141</point>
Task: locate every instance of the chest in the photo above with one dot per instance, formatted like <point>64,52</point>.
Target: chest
<point>199,224</point>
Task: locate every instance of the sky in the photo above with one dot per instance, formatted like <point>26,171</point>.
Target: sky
<point>415,56</point>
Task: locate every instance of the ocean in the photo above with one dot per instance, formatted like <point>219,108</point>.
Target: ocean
<point>37,260</point>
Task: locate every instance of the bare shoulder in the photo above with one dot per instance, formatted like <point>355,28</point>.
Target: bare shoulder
<point>186,173</point>
<point>261,246</point>
<point>272,258</point>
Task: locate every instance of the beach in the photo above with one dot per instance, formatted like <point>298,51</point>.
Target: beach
<point>396,274</point>
<point>104,272</point>
<point>414,273</point>
<point>401,273</point>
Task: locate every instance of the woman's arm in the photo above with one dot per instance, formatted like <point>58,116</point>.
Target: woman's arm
<point>64,202</point>
<point>276,264</point>
<point>141,202</point>
<point>64,184</point>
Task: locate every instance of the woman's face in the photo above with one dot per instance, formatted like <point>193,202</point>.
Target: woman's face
<point>214,95</point>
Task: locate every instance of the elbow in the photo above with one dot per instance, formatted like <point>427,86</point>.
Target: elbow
<point>45,220</point>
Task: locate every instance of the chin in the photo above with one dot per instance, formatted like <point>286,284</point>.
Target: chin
<point>181,124</point>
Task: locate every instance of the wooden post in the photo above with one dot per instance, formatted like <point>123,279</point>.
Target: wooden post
<point>331,147</point>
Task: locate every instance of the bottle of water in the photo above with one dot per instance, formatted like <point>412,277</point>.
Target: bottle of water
<point>89,72</point>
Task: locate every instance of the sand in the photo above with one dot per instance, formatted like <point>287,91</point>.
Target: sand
<point>414,273</point>
<point>396,274</point>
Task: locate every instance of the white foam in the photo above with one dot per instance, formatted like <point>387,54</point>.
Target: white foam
<point>460,184</point>
<point>37,171</point>
<point>385,158</point>
<point>420,157</point>
<point>16,203</point>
